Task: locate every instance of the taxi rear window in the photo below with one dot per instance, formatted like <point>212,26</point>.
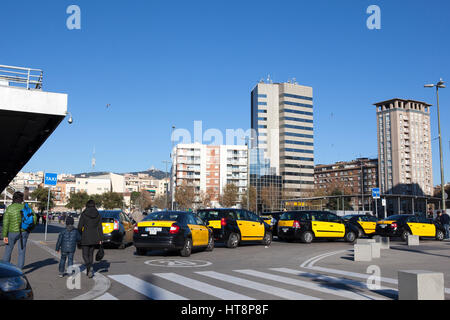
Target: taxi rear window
<point>165,216</point>
<point>209,215</point>
<point>302,216</point>
<point>395,217</point>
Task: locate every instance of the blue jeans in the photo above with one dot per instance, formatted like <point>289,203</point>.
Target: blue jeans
<point>62,262</point>
<point>447,231</point>
<point>14,237</point>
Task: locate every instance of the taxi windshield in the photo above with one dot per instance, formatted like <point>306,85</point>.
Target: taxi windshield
<point>395,217</point>
<point>208,215</point>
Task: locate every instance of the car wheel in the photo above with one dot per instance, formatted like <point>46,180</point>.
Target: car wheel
<point>187,248</point>
<point>440,235</point>
<point>141,251</point>
<point>210,246</point>
<point>267,239</point>
<point>405,235</point>
<point>306,237</point>
<point>360,233</point>
<point>350,237</point>
<point>233,241</point>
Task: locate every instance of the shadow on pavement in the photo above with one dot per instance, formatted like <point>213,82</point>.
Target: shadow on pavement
<point>40,264</point>
<point>51,228</point>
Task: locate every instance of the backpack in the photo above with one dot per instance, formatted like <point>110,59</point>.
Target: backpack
<point>27,219</point>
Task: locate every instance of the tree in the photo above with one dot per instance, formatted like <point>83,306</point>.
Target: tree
<point>251,203</point>
<point>160,202</point>
<point>230,196</point>
<point>98,199</point>
<point>112,200</point>
<point>145,200</point>
<point>134,198</point>
<point>41,196</point>
<point>185,195</point>
<point>336,203</point>
<point>77,200</point>
<point>206,198</point>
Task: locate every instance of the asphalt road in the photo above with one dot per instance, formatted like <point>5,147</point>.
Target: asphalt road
<point>282,271</point>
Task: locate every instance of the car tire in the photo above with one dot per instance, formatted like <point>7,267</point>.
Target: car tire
<point>440,235</point>
<point>306,237</point>
<point>360,233</point>
<point>350,237</point>
<point>404,235</point>
<point>210,246</point>
<point>233,241</point>
<point>187,248</point>
<point>141,251</point>
<point>267,239</point>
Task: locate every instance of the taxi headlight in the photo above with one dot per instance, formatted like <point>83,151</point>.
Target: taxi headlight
<point>13,284</point>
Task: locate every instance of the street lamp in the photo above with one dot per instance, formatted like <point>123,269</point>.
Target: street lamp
<point>70,120</point>
<point>438,85</point>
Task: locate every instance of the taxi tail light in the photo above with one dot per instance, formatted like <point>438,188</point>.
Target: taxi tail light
<point>136,229</point>
<point>296,224</point>
<point>174,229</point>
<point>116,225</point>
<point>223,222</point>
<point>394,225</point>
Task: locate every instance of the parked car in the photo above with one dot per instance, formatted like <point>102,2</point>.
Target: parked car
<point>309,225</point>
<point>172,230</point>
<point>406,224</point>
<point>233,226</point>
<point>117,228</point>
<point>366,224</point>
<point>274,217</point>
<point>14,284</point>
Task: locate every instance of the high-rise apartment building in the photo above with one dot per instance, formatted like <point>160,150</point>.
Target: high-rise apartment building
<point>404,147</point>
<point>282,119</point>
<point>210,168</point>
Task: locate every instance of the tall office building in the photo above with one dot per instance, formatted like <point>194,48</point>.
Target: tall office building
<point>404,148</point>
<point>282,120</point>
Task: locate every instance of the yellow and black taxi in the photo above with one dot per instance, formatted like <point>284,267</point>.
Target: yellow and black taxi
<point>366,224</point>
<point>405,225</point>
<point>117,228</point>
<point>309,225</point>
<point>172,230</point>
<point>235,226</point>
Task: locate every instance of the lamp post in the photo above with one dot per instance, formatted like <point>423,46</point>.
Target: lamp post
<point>171,179</point>
<point>438,85</point>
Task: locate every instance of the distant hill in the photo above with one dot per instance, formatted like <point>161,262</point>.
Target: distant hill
<point>155,173</point>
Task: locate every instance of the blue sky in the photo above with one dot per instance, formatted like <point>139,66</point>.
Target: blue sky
<point>164,63</point>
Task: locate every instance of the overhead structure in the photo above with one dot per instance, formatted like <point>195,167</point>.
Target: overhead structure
<point>28,116</point>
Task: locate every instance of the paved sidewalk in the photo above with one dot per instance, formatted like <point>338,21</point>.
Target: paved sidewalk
<point>41,267</point>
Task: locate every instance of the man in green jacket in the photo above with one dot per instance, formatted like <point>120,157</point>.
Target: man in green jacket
<point>12,220</point>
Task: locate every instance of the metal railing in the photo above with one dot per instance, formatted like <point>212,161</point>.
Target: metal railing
<point>28,78</point>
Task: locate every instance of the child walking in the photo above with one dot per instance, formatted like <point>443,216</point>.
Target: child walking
<point>67,244</point>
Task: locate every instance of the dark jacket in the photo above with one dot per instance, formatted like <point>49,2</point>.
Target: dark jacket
<point>67,239</point>
<point>444,219</point>
<point>90,227</point>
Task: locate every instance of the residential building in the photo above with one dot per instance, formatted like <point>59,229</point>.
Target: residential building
<point>404,150</point>
<point>357,177</point>
<point>210,168</point>
<point>283,123</point>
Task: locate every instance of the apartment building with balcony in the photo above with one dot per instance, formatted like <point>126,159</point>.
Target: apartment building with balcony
<point>209,168</point>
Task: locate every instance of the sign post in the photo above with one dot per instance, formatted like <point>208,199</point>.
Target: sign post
<point>376,196</point>
<point>50,179</point>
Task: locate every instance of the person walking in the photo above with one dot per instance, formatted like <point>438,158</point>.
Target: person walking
<point>67,244</point>
<point>13,229</point>
<point>91,230</point>
<point>444,219</point>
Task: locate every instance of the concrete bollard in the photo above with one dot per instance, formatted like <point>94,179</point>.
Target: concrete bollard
<point>365,241</point>
<point>376,250</point>
<point>413,240</point>
<point>420,285</point>
<point>362,252</point>
<point>383,241</point>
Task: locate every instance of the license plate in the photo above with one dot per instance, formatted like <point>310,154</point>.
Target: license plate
<point>285,229</point>
<point>153,230</point>
<point>382,226</point>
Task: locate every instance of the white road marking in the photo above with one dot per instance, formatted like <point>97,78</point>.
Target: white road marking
<point>279,292</point>
<point>203,287</point>
<point>147,289</point>
<point>107,296</point>
<point>309,285</point>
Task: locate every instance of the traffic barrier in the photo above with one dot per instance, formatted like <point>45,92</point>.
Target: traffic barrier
<point>365,241</point>
<point>376,250</point>
<point>420,285</point>
<point>383,241</point>
<point>362,252</point>
<point>413,240</point>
